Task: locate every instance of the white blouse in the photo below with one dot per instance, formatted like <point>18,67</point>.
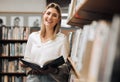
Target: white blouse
<point>39,53</point>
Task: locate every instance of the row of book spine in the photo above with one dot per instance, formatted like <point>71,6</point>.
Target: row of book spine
<point>13,49</point>
<point>11,66</point>
<point>13,79</point>
<point>94,50</point>
<point>14,32</point>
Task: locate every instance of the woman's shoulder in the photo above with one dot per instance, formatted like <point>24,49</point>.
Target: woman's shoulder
<point>34,33</point>
<point>61,35</point>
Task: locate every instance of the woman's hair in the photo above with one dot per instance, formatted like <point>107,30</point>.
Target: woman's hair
<point>57,26</point>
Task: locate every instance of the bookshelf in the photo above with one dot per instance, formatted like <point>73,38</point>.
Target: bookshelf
<point>96,54</point>
<point>90,10</point>
<point>12,45</point>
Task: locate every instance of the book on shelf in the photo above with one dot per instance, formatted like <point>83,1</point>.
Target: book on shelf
<point>99,45</point>
<point>14,33</point>
<point>53,63</point>
<point>7,78</point>
<point>110,52</point>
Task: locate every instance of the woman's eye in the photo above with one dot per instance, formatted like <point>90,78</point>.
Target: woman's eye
<point>55,15</point>
<point>48,13</point>
<point>52,14</point>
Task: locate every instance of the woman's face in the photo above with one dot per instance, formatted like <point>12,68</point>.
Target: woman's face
<point>51,17</point>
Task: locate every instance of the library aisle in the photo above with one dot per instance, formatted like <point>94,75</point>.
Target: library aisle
<point>92,27</point>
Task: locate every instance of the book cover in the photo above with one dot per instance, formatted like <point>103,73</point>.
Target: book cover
<point>54,63</point>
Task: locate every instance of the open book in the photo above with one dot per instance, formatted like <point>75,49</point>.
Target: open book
<point>54,63</point>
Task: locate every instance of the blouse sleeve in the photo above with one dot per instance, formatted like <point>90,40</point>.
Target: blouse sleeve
<point>65,48</point>
<point>28,48</point>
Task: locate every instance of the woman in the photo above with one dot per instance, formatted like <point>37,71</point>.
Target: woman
<point>47,44</point>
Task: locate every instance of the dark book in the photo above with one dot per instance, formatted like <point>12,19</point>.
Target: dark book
<point>54,63</point>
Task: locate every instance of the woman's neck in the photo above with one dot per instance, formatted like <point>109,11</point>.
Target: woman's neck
<point>48,36</point>
<point>49,33</point>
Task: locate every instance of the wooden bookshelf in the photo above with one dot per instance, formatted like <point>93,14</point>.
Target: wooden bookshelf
<point>10,57</point>
<point>13,74</point>
<point>73,67</point>
<point>87,15</point>
<point>94,10</point>
<point>13,41</point>
<point>12,45</point>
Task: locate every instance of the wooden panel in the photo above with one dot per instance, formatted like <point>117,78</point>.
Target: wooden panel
<point>102,6</point>
<point>95,10</point>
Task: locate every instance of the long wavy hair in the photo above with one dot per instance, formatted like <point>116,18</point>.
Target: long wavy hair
<point>57,26</point>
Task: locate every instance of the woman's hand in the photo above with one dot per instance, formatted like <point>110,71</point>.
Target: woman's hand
<point>22,65</point>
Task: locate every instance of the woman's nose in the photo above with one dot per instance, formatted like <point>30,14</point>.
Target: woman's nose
<point>50,16</point>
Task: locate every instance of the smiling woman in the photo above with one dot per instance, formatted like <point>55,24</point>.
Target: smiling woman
<point>51,21</point>
<point>48,44</point>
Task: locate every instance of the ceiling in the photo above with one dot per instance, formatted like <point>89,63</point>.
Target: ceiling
<point>62,3</point>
